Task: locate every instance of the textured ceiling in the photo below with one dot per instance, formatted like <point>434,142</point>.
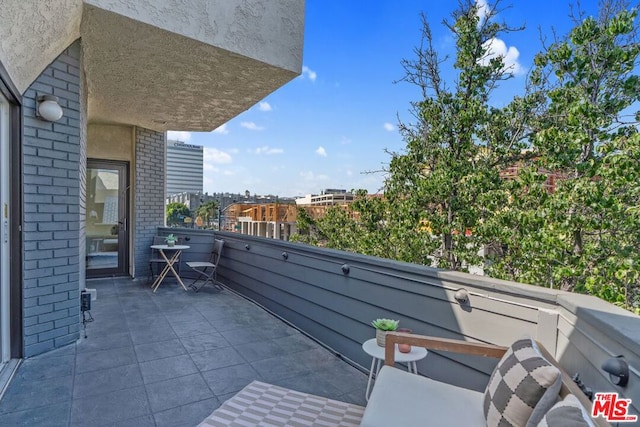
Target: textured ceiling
<point>141,74</point>
<point>161,64</point>
<point>34,33</point>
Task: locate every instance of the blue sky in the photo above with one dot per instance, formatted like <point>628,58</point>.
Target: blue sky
<point>328,127</point>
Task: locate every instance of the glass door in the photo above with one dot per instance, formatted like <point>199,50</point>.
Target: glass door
<point>107,218</point>
<point>5,317</point>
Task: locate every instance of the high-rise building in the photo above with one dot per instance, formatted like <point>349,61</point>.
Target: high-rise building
<point>184,168</point>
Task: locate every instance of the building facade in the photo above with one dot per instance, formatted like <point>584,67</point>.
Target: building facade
<point>184,168</point>
<point>270,220</point>
<point>88,90</point>
<point>328,197</point>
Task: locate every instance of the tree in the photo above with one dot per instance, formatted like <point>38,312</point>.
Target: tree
<point>439,191</point>
<point>175,211</point>
<point>450,193</point>
<point>585,235</point>
<point>448,180</point>
<point>207,211</point>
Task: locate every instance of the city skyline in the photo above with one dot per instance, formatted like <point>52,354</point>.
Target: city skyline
<point>337,121</point>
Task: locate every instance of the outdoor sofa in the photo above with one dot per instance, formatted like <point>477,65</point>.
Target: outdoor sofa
<point>527,388</point>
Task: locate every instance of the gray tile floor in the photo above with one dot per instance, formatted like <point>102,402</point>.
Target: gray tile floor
<point>169,359</point>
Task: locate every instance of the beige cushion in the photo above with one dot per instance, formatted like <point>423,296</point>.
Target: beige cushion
<point>402,399</point>
<point>566,413</point>
<point>522,387</point>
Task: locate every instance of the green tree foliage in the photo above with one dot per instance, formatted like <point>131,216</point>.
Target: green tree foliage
<point>306,229</point>
<point>585,236</point>
<point>448,180</point>
<point>174,211</point>
<point>207,211</point>
<point>444,184</point>
<point>448,195</point>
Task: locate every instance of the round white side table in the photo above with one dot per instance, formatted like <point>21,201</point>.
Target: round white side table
<point>377,353</point>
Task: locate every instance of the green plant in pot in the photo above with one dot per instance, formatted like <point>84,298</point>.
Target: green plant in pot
<point>382,327</point>
<point>171,240</point>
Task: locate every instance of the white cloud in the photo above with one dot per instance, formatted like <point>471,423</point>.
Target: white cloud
<point>264,106</point>
<point>265,149</point>
<point>310,176</point>
<point>213,155</point>
<point>178,135</point>
<point>495,48</point>
<point>321,151</point>
<point>345,141</point>
<point>251,126</point>
<point>221,129</point>
<point>233,150</point>
<point>483,10</point>
<point>349,172</point>
<point>309,73</point>
<point>389,127</point>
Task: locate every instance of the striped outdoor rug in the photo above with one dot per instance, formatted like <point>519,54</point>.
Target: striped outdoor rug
<point>261,404</point>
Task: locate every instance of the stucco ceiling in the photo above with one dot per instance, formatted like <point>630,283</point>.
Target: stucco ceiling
<point>161,64</point>
<point>141,74</point>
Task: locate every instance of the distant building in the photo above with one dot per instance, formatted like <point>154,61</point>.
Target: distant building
<point>190,200</point>
<point>184,168</point>
<point>270,220</point>
<point>328,197</point>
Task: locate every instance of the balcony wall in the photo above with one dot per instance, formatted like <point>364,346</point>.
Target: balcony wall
<point>310,288</point>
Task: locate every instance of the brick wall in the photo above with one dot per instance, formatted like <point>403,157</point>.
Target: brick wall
<point>149,195</point>
<point>82,167</point>
<point>52,155</point>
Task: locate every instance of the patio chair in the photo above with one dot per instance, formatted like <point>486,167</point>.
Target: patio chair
<point>207,270</point>
<point>157,260</point>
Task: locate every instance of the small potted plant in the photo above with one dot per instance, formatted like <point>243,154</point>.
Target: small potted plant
<point>171,240</point>
<point>382,327</point>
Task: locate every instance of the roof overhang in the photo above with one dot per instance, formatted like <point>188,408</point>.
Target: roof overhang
<point>162,64</point>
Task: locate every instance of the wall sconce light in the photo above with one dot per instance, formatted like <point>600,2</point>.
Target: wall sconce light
<point>47,108</point>
<point>618,370</point>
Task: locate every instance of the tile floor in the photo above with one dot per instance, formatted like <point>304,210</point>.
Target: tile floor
<point>169,359</point>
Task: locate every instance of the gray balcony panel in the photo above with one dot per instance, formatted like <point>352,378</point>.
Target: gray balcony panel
<point>309,290</point>
<point>582,344</point>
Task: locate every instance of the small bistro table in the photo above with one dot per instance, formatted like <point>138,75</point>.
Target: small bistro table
<point>372,348</point>
<point>175,256</point>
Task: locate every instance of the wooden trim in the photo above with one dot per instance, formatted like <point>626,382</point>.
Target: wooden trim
<point>436,343</point>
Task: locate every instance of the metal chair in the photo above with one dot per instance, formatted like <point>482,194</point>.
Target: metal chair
<point>207,270</point>
<point>157,260</point>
